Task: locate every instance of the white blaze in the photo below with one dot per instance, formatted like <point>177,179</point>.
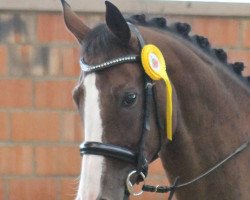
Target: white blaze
<point>90,178</point>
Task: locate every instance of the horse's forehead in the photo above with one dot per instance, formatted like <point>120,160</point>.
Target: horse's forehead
<point>129,73</point>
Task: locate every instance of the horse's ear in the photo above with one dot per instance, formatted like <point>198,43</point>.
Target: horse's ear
<point>116,23</point>
<point>73,22</point>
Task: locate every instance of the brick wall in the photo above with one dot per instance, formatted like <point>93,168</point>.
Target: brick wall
<point>39,128</point>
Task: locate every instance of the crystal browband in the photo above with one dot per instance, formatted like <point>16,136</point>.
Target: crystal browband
<point>125,59</point>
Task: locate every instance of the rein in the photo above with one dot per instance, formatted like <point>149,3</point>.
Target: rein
<point>177,185</point>
<point>139,158</point>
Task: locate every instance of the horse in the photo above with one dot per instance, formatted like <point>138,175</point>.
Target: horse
<point>124,110</point>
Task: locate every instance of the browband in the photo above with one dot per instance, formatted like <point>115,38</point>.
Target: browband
<point>125,59</point>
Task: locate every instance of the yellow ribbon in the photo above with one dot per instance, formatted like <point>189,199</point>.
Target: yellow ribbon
<point>154,65</point>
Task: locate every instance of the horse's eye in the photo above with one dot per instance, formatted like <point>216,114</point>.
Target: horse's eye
<point>129,99</point>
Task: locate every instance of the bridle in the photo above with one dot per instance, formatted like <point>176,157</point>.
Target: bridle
<point>124,154</point>
<point>138,158</point>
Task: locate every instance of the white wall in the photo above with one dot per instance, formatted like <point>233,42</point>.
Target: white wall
<point>135,6</point>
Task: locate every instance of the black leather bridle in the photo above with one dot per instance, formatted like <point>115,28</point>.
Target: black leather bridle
<point>110,150</point>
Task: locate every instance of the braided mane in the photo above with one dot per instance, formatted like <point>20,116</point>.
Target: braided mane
<point>183,30</point>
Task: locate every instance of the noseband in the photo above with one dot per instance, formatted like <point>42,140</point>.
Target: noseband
<point>110,150</point>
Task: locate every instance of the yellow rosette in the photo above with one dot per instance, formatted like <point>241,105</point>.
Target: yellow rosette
<point>154,65</point>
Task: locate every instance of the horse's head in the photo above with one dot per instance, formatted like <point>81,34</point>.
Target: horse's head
<point>111,97</point>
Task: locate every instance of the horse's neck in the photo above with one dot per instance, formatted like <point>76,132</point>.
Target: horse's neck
<point>212,121</point>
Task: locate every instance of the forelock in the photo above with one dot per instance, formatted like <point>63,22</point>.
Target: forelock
<point>100,40</point>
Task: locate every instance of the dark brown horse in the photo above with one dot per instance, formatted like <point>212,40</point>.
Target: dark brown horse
<point>211,109</point>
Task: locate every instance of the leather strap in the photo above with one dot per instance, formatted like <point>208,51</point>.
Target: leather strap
<point>116,61</point>
<point>137,33</point>
<point>109,150</point>
<point>177,185</point>
<point>142,165</point>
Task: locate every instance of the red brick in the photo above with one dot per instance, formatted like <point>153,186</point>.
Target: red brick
<point>3,60</point>
<point>15,93</point>
<point>71,65</point>
<point>92,20</point>
<point>38,189</point>
<point>72,128</point>
<point>54,94</point>
<point>242,56</point>
<point>55,61</point>
<point>57,160</point>
<point>23,59</point>
<point>51,28</point>
<point>156,168</point>
<point>2,189</point>
<point>35,126</point>
<point>16,160</point>
<point>247,71</point>
<point>246,33</point>
<point>68,188</point>
<point>219,31</point>
<point>4,127</point>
